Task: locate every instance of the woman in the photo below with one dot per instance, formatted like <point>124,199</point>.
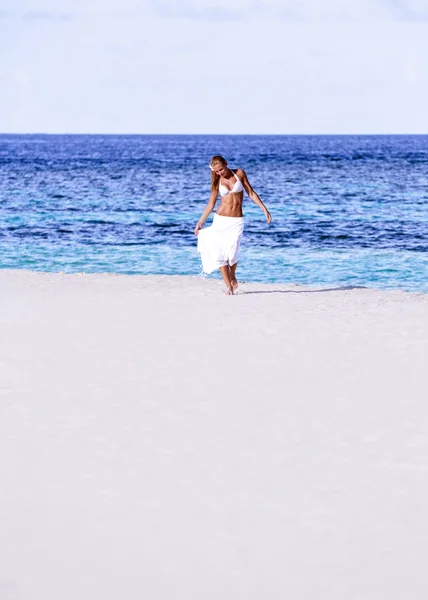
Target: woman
<point>218,245</point>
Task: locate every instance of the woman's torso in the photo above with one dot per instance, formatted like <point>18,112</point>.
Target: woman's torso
<point>231,194</point>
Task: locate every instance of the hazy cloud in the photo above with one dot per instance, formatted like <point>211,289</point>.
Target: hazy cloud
<point>205,13</point>
<point>40,15</point>
<point>408,10</point>
<point>293,10</point>
<point>229,10</point>
<point>289,10</point>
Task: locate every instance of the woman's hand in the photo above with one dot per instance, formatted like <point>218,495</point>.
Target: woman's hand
<point>268,217</point>
<point>197,228</point>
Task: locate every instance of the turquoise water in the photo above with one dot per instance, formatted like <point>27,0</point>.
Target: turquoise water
<point>348,210</point>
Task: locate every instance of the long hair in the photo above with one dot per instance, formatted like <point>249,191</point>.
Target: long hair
<point>215,179</point>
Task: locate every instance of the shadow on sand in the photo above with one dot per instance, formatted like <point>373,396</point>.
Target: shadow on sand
<point>343,288</point>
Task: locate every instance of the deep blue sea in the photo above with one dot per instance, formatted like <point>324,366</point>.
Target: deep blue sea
<point>347,210</point>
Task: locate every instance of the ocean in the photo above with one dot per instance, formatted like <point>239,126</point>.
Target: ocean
<point>347,210</point>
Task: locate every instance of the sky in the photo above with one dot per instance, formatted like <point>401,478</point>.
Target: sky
<point>214,66</point>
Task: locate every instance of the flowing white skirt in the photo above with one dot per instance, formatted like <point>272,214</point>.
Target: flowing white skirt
<point>218,244</point>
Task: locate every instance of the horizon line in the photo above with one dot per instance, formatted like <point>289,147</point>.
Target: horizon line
<point>40,133</point>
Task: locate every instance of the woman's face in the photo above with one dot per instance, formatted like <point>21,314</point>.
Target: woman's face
<point>220,169</point>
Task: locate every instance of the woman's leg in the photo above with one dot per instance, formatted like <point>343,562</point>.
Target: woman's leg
<point>233,279</point>
<point>225,272</point>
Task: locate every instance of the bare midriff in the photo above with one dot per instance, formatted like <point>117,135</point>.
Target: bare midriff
<point>231,205</point>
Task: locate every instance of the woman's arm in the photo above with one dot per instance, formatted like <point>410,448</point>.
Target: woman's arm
<point>253,195</point>
<point>208,210</point>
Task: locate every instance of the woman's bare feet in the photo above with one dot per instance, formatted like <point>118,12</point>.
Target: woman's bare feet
<point>234,285</point>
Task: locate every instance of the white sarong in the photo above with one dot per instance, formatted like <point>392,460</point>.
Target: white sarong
<point>218,244</point>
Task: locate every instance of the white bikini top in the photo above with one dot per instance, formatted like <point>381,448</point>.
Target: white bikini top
<point>238,187</point>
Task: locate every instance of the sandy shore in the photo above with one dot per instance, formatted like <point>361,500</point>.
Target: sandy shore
<point>159,440</point>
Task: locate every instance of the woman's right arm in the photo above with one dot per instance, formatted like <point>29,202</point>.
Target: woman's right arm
<point>208,210</point>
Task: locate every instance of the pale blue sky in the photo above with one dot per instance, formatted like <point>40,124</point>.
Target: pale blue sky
<point>219,66</point>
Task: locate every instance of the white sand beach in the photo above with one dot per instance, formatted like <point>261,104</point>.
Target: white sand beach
<point>160,440</point>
